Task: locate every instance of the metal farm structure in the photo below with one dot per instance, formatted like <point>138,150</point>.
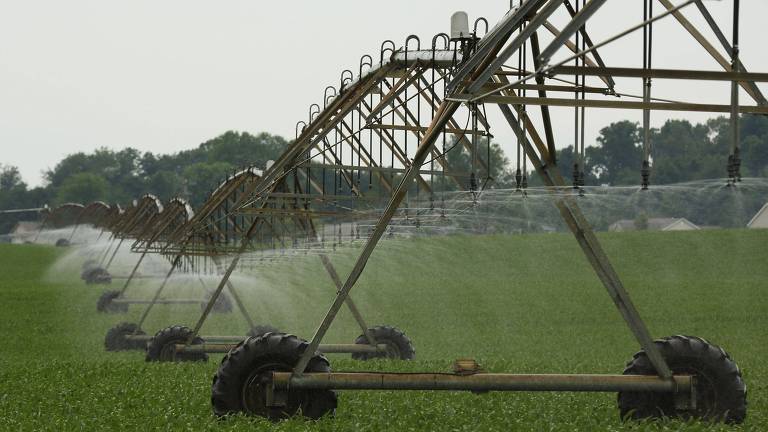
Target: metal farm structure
<point>386,133</point>
<point>399,144</point>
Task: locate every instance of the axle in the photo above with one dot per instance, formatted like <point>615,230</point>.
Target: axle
<point>283,381</point>
<point>324,348</point>
<point>161,301</point>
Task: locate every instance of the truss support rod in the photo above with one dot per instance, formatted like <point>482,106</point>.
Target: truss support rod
<point>338,108</point>
<point>548,69</point>
<point>614,104</point>
<point>224,279</point>
<point>159,291</point>
<point>350,304</point>
<point>462,138</point>
<point>312,231</point>
<point>133,272</point>
<point>240,305</point>
<point>656,73</point>
<point>734,156</point>
<point>117,248</point>
<point>572,27</point>
<point>536,22</point>
<point>149,244</point>
<point>42,227</point>
<point>111,242</point>
<point>493,40</point>
<point>750,87</point>
<point>755,91</point>
<point>389,140</point>
<point>588,40</point>
<point>546,119</point>
<point>444,113</point>
<point>394,92</point>
<point>645,169</point>
<point>587,61</point>
<point>586,238</point>
<point>74,230</point>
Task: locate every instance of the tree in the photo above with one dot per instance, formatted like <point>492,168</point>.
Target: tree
<point>618,157</point>
<point>82,188</point>
<point>202,178</point>
<point>10,178</point>
<point>459,160</point>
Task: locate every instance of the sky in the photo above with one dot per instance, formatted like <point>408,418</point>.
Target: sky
<point>164,76</point>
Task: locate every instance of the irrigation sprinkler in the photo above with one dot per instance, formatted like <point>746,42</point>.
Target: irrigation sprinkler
<point>279,375</point>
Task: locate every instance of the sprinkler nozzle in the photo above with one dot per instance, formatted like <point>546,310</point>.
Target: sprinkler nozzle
<point>645,174</point>
<point>472,182</point>
<point>576,175</point>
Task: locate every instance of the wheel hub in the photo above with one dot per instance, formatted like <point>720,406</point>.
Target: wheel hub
<point>255,393</point>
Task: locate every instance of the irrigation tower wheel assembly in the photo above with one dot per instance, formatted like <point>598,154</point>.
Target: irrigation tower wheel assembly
<point>277,375</point>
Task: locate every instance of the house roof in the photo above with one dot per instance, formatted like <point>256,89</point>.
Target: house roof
<point>759,213</point>
<point>653,223</point>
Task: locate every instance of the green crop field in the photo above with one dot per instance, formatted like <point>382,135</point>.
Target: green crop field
<point>515,303</point>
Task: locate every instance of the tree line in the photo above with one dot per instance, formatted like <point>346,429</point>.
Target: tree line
<point>682,151</point>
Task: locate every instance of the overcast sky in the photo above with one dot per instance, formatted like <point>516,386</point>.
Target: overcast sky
<point>164,76</point>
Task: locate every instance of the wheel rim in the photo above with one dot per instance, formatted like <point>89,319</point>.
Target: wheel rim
<point>168,352</point>
<point>254,393</point>
<point>122,340</point>
<point>392,351</point>
<point>706,391</point>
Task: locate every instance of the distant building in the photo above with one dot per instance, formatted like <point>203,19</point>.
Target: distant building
<point>761,218</point>
<point>24,231</point>
<point>655,224</point>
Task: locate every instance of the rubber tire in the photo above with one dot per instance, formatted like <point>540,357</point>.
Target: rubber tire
<point>400,346</point>
<point>259,330</point>
<point>721,392</point>
<point>223,303</point>
<point>62,242</point>
<point>270,352</point>
<point>158,348</point>
<point>106,305</point>
<point>96,275</point>
<point>115,339</point>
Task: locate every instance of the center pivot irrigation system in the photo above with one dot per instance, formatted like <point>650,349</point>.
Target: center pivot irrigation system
<point>377,159</point>
<point>429,95</point>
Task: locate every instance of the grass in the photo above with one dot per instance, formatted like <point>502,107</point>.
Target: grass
<point>515,303</point>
